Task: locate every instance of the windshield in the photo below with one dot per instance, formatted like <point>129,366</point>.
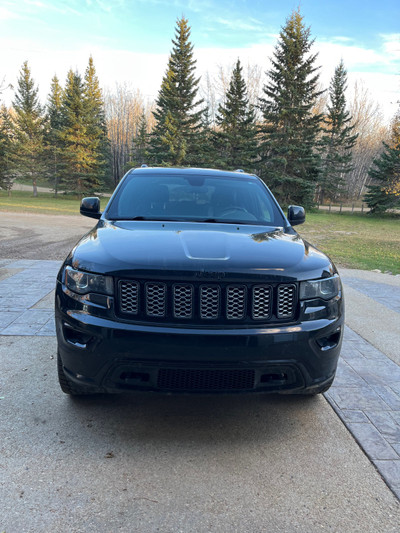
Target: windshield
<point>238,200</point>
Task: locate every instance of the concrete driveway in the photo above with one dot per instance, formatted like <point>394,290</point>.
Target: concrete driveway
<point>154,463</point>
<point>195,464</point>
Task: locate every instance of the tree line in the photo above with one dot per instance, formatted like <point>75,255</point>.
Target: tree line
<point>66,141</point>
<point>307,144</point>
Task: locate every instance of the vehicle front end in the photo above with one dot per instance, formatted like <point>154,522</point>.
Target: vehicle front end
<point>204,306</point>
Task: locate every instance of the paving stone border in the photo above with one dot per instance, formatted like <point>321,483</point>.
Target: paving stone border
<point>366,396</point>
<point>20,292</point>
<point>383,293</point>
<point>365,393</point>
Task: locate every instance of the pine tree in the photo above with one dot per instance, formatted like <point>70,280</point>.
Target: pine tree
<point>79,165</point>
<point>236,138</point>
<point>54,123</point>
<point>140,143</point>
<point>28,157</point>
<point>6,150</point>
<point>206,155</point>
<point>338,139</point>
<point>384,192</point>
<point>289,162</point>
<point>95,121</point>
<point>174,137</point>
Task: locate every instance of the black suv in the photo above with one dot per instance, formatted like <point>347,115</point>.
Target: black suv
<point>194,280</point>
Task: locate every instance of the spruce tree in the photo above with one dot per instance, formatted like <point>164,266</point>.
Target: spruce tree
<point>54,123</point>
<point>236,137</point>
<point>338,139</point>
<point>174,137</point>
<point>6,150</point>
<point>289,162</point>
<point>206,155</point>
<point>140,143</point>
<point>95,121</point>
<point>79,164</point>
<point>384,191</point>
<point>28,157</point>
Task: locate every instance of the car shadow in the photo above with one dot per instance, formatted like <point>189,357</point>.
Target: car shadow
<point>158,418</point>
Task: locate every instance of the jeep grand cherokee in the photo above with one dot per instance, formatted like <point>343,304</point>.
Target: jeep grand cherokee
<point>194,280</point>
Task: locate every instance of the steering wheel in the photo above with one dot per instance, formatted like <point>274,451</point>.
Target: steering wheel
<point>233,209</point>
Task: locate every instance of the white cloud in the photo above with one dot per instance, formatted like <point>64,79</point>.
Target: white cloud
<point>391,45</point>
<point>6,14</point>
<point>104,6</point>
<point>377,69</point>
<point>239,25</point>
<point>339,38</point>
<point>196,6</point>
<point>330,55</point>
<point>35,3</point>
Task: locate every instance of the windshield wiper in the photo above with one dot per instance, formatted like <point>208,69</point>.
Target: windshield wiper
<point>217,221</point>
<point>154,219</point>
<point>138,217</point>
<point>225,221</point>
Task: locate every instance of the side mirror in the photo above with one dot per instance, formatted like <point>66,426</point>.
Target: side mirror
<point>90,207</point>
<point>296,215</point>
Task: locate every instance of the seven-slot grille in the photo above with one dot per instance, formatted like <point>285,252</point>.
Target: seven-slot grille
<point>206,302</point>
<point>209,301</point>
<point>286,294</point>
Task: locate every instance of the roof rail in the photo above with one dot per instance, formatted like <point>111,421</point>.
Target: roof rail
<point>239,170</point>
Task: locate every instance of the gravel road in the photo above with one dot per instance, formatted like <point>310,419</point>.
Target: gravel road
<point>32,236</point>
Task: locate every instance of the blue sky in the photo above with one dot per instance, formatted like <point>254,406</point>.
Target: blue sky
<point>130,39</point>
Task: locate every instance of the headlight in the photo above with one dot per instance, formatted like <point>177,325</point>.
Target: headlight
<point>83,282</point>
<point>326,288</point>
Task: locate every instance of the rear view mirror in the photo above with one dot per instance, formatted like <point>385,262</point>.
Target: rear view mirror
<point>296,215</point>
<point>90,207</point>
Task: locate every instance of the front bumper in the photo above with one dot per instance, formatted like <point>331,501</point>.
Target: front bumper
<point>114,356</point>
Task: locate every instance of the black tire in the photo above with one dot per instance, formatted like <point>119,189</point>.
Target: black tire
<point>67,386</point>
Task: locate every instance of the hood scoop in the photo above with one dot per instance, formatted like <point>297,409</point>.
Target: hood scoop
<point>215,248</point>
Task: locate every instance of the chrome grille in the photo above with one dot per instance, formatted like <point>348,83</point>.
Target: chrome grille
<point>183,301</point>
<point>155,299</point>
<point>209,301</point>
<point>235,302</point>
<point>129,297</point>
<point>202,302</point>
<point>262,302</point>
<point>286,301</point>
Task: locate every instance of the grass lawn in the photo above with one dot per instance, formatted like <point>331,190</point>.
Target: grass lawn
<point>46,203</point>
<point>354,241</point>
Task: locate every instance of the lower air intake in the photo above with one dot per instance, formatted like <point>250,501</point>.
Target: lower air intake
<point>205,379</point>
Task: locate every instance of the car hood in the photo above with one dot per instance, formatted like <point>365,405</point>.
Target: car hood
<point>202,250</point>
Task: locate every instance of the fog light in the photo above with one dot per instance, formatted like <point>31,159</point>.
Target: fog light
<point>329,342</point>
<point>75,337</point>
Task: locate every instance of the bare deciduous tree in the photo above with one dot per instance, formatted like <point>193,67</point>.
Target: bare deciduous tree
<point>123,108</point>
<point>369,124</point>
